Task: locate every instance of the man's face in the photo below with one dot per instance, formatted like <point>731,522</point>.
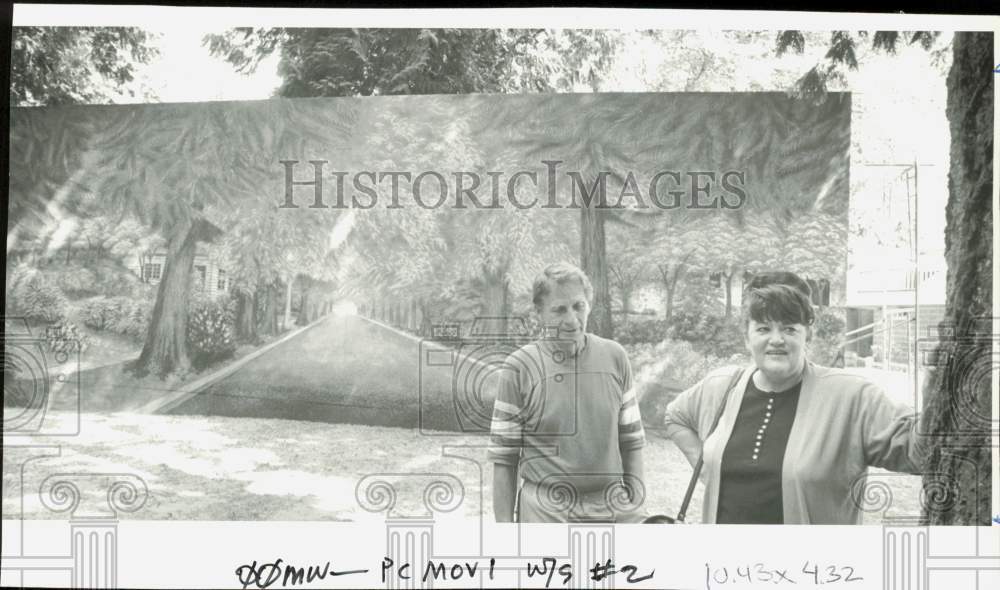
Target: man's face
<point>778,349</point>
<point>564,312</point>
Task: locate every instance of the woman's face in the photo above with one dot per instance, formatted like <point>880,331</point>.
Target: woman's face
<point>778,349</point>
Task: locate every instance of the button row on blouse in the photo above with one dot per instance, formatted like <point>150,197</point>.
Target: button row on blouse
<point>763,427</point>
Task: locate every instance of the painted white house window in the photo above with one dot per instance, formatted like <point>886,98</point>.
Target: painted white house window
<point>200,272</point>
<point>152,271</point>
<point>221,282</point>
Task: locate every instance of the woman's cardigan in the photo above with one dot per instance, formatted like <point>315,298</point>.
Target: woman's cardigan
<point>843,424</point>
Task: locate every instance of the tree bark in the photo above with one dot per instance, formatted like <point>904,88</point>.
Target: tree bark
<point>246,317</point>
<point>426,325</point>
<point>497,300</point>
<point>269,323</point>
<point>314,301</point>
<point>594,262</point>
<point>305,308</point>
<point>165,349</point>
<point>729,293</point>
<point>671,288</point>
<point>958,394</point>
<point>288,304</point>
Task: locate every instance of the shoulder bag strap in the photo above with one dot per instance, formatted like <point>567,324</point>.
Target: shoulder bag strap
<point>682,513</point>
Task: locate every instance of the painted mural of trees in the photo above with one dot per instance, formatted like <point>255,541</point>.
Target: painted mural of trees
<point>672,247</point>
<point>164,166</point>
<point>813,247</point>
<point>366,62</point>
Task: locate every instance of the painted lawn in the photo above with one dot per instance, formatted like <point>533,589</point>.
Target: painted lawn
<point>218,468</point>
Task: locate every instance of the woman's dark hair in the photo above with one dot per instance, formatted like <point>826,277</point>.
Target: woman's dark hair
<point>778,296</point>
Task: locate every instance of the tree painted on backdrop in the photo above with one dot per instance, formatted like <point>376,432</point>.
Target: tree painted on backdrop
<point>452,261</point>
<point>267,249</point>
<point>794,154</point>
<point>812,247</point>
<point>960,452</point>
<point>165,165</point>
<point>740,244</point>
<point>677,248</point>
<point>628,269</point>
<point>366,62</point>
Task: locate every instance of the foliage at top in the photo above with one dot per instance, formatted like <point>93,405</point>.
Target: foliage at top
<point>843,53</point>
<point>373,62</point>
<point>75,65</point>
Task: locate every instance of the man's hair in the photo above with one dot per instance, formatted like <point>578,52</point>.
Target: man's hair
<point>778,296</point>
<point>559,273</point>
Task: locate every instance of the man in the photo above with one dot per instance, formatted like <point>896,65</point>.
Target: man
<point>566,419</point>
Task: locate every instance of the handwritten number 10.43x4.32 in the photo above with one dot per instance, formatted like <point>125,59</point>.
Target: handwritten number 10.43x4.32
<point>760,574</point>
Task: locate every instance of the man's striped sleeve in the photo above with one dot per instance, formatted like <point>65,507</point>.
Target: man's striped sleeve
<point>631,435</point>
<point>507,426</point>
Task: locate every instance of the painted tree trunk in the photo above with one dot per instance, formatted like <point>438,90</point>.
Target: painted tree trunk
<point>957,408</point>
<point>729,293</point>
<point>497,299</point>
<point>305,308</point>
<point>288,303</point>
<point>671,288</point>
<point>426,323</point>
<point>246,317</point>
<point>165,349</point>
<point>269,323</point>
<point>626,293</point>
<point>594,262</point>
<point>314,302</point>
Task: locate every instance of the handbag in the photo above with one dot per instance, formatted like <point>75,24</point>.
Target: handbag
<point>682,513</point>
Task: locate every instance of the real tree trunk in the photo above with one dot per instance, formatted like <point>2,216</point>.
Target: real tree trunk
<point>165,349</point>
<point>958,394</point>
<point>594,262</point>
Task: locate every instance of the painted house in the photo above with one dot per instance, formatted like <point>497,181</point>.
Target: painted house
<point>209,276</point>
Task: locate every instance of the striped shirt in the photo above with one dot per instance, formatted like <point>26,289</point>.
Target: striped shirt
<point>566,421</point>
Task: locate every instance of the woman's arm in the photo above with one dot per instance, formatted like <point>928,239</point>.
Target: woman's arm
<point>687,441</point>
<point>890,437</point>
<point>681,422</point>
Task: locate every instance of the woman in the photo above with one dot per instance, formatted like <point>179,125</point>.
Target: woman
<point>794,437</point>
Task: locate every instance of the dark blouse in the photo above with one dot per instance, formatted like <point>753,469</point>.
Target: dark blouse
<point>750,484</point>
